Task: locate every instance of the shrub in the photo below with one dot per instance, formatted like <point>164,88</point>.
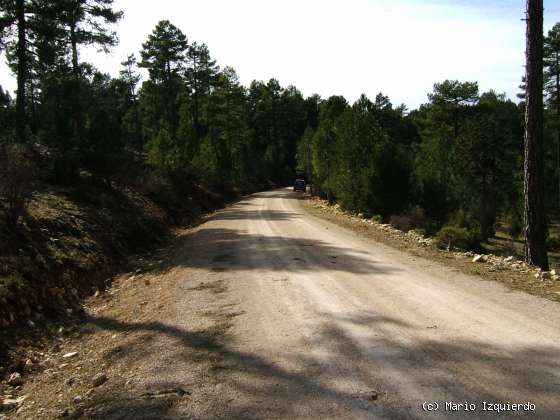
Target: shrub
<point>420,232</point>
<point>452,236</point>
<point>553,243</point>
<point>16,176</point>
<point>376,218</point>
<point>411,219</point>
<point>514,225</point>
<point>467,220</point>
<point>9,284</point>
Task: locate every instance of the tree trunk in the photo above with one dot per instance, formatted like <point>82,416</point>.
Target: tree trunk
<point>78,125</point>
<point>74,43</point>
<point>309,179</point>
<point>21,72</point>
<point>535,218</point>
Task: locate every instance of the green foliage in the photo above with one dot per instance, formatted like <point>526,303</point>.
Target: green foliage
<point>11,283</point>
<point>277,120</point>
<point>376,218</point>
<point>553,243</point>
<point>552,114</point>
<point>470,154</point>
<point>453,236</point>
<point>353,158</point>
<point>514,222</point>
<point>420,232</point>
<point>454,93</point>
<point>163,54</point>
<point>552,65</point>
<point>164,152</point>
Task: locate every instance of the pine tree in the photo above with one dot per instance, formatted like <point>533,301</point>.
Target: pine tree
<point>84,22</point>
<point>164,54</point>
<point>15,39</point>
<point>87,22</point>
<point>200,76</point>
<point>131,119</point>
<point>552,85</point>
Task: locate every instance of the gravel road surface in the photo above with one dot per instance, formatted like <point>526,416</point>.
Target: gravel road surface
<point>268,312</point>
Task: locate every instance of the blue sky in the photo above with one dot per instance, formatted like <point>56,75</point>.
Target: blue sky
<point>398,47</point>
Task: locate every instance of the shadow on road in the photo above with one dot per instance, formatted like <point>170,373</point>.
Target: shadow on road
<point>463,370</point>
<point>270,215</point>
<point>222,249</point>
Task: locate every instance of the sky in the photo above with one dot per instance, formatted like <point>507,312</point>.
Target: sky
<point>334,47</point>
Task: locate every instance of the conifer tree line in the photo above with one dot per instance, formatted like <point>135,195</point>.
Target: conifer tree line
<point>456,161</point>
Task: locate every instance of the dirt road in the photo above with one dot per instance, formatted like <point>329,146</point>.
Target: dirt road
<point>268,312</point>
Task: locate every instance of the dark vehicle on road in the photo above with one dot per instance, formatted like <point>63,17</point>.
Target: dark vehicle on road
<point>299,185</point>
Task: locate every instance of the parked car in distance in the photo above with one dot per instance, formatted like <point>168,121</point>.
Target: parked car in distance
<point>299,185</point>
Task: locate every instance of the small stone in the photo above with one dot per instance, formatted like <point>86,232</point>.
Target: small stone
<point>72,413</point>
<point>366,396</point>
<point>69,311</point>
<point>477,258</point>
<point>96,294</point>
<point>69,355</point>
<point>552,272</point>
<point>15,379</point>
<point>78,399</point>
<point>30,323</point>
<point>13,403</point>
<point>29,365</point>
<point>99,379</point>
<point>508,259</point>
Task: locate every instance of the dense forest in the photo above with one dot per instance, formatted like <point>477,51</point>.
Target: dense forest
<point>453,166</point>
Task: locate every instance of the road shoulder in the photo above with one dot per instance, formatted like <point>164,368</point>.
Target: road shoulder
<point>493,269</point>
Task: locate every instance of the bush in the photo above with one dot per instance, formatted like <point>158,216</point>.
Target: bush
<point>467,220</point>
<point>376,218</point>
<point>420,232</point>
<point>514,225</point>
<point>409,220</point>
<point>453,236</point>
<point>16,176</point>
<point>553,243</point>
<point>10,284</point>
